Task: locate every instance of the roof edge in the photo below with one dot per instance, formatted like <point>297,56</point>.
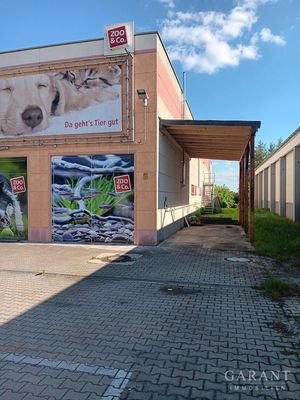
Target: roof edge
<point>255,125</point>
<point>68,43</point>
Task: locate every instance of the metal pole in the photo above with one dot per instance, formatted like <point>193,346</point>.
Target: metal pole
<point>183,95</point>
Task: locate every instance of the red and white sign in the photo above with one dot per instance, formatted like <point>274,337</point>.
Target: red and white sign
<point>117,37</point>
<point>122,184</point>
<point>18,184</point>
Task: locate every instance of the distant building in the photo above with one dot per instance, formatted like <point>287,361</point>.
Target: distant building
<point>277,180</point>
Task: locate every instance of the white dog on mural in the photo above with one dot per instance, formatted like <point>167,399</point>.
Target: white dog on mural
<point>27,102</point>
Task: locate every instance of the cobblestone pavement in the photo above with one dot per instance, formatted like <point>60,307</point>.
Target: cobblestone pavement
<point>176,322</point>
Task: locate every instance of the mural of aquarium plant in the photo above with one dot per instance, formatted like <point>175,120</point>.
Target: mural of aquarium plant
<point>13,199</point>
<point>88,205</point>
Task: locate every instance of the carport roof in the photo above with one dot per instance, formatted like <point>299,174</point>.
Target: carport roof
<point>211,139</point>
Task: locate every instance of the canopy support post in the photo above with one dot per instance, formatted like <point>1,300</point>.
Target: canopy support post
<point>252,183</point>
<point>246,190</point>
<point>241,190</point>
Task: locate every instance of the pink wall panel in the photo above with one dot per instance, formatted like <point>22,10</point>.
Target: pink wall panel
<point>167,91</point>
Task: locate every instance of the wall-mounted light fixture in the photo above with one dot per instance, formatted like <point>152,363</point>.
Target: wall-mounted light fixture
<point>143,96</point>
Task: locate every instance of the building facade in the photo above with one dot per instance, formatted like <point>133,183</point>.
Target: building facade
<point>277,180</point>
<point>82,156</point>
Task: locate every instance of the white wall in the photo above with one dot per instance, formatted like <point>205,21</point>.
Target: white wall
<point>277,181</point>
<point>174,198</point>
<point>290,174</point>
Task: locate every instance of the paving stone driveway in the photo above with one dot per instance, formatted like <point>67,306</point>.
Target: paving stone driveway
<point>72,330</point>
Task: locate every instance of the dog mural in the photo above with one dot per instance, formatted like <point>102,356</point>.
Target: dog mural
<point>28,102</point>
<point>25,104</point>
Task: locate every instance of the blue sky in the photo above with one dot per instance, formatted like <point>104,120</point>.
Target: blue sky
<point>241,57</point>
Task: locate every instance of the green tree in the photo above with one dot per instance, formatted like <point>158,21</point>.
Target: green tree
<point>279,142</point>
<point>262,151</point>
<point>272,147</point>
<point>226,196</point>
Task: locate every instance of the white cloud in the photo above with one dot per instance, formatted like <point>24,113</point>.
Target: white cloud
<point>255,3</point>
<point>207,41</point>
<point>267,36</point>
<point>168,3</point>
